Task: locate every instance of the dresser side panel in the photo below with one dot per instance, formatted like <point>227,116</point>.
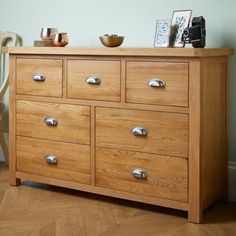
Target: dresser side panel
<point>195,208</point>
<point>213,130</point>
<point>12,123</point>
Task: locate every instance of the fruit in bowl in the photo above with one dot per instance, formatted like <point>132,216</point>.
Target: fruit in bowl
<point>112,40</point>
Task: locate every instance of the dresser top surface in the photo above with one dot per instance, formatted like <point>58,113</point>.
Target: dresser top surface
<point>102,51</point>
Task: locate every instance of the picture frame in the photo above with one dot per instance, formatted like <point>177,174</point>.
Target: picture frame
<point>162,33</point>
<point>180,20</point>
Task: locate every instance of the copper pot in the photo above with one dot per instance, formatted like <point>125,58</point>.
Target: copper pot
<point>60,39</point>
<point>47,33</point>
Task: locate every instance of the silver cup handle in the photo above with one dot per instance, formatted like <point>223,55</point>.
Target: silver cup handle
<point>50,159</point>
<point>156,83</point>
<point>139,131</point>
<point>93,80</point>
<point>38,77</point>
<point>139,173</point>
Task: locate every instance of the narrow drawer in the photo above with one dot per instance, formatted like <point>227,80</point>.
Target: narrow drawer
<point>62,122</point>
<point>40,77</point>
<point>48,158</point>
<point>95,80</point>
<point>148,174</point>
<point>157,83</point>
<point>144,131</point>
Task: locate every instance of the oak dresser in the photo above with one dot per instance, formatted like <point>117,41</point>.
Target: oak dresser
<point>143,124</point>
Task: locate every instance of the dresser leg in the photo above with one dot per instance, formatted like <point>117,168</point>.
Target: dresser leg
<point>15,181</point>
<point>195,216</point>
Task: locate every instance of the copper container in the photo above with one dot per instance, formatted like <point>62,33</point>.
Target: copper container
<point>112,40</point>
<point>47,33</point>
<point>60,39</point>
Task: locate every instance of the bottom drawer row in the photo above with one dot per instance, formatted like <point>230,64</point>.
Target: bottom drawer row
<point>141,173</point>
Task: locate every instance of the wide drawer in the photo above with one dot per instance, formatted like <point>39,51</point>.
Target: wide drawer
<point>148,174</point>
<point>48,158</point>
<point>62,122</point>
<point>95,80</point>
<point>40,77</point>
<point>145,131</point>
<point>159,83</point>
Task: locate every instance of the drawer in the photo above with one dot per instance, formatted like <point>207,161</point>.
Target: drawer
<point>95,80</point>
<point>148,174</point>
<point>40,77</point>
<point>144,131</point>
<point>62,122</point>
<point>157,83</point>
<point>54,159</point>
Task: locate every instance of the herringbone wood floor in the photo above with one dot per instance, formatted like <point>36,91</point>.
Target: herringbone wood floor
<point>41,210</point>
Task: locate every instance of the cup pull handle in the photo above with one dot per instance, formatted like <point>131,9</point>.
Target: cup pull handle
<point>38,77</point>
<point>156,83</point>
<point>139,173</point>
<point>139,131</point>
<point>50,159</point>
<point>50,121</point>
<point>93,80</point>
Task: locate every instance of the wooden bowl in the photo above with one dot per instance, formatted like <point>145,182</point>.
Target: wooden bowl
<point>112,40</point>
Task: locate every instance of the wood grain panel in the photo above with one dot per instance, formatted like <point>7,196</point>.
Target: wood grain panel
<point>195,207</point>
<point>107,71</point>
<point>123,51</point>
<point>73,121</point>
<point>105,104</point>
<point>73,159</point>
<point>167,132</point>
<point>167,176</point>
<point>213,128</point>
<point>105,191</point>
<point>175,76</point>
<point>12,123</point>
<point>52,69</point>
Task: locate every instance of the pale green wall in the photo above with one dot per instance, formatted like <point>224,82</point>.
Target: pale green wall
<point>84,21</point>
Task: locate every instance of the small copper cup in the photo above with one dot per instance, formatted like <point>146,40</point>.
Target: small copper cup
<point>60,39</point>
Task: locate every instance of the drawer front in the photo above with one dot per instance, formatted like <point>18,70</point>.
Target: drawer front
<point>148,174</point>
<point>62,122</point>
<point>144,131</point>
<point>95,80</point>
<point>40,77</point>
<point>60,160</point>
<point>158,83</point>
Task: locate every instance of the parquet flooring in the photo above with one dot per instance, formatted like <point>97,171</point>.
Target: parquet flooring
<point>34,209</point>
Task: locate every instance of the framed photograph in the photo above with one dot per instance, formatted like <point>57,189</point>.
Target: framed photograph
<point>180,20</point>
<point>162,33</point>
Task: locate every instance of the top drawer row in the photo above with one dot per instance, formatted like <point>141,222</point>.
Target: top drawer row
<point>147,82</point>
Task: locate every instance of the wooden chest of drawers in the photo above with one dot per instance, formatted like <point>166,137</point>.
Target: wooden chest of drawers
<point>147,125</point>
